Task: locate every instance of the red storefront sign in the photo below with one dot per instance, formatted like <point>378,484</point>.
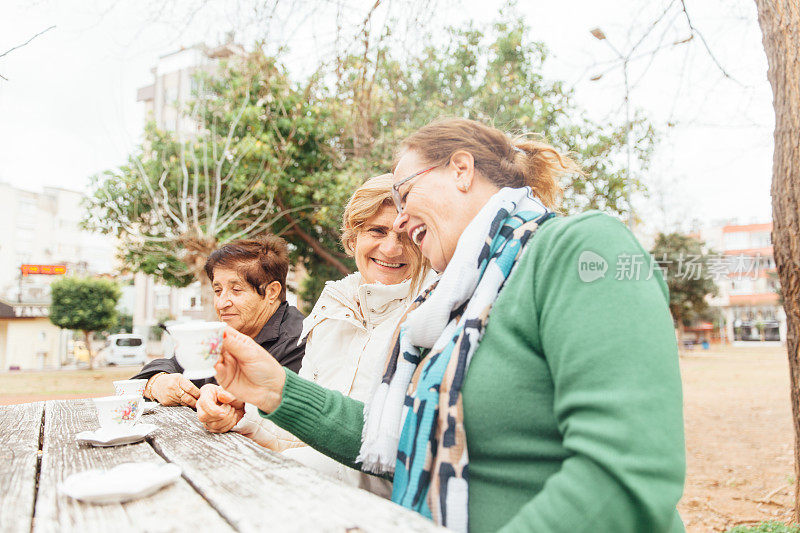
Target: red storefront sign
<point>48,270</point>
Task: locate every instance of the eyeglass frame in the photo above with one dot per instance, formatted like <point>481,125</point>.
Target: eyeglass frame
<point>399,203</point>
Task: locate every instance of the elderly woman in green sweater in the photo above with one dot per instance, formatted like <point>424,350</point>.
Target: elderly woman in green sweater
<point>530,388</point>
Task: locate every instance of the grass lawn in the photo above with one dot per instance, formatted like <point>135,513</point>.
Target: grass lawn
<point>31,386</point>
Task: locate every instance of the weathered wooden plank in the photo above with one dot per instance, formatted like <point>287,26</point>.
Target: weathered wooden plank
<point>258,490</point>
<point>20,427</point>
<point>177,507</point>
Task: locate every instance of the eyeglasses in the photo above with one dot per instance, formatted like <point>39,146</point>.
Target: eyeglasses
<point>399,201</point>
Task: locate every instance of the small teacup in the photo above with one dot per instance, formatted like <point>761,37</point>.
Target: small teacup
<point>130,386</point>
<point>197,347</point>
<point>119,411</point>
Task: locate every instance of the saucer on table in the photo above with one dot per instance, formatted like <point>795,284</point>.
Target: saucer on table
<point>115,436</point>
<point>122,483</point>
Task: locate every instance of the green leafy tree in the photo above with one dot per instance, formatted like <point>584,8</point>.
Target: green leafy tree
<point>85,305</point>
<point>260,160</point>
<point>273,155</point>
<point>494,75</point>
<point>685,265</point>
<point>125,323</point>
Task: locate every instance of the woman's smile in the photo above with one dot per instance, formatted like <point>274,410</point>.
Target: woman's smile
<point>418,234</point>
<point>382,254</point>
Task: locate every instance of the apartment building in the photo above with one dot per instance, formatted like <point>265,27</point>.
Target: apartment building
<point>174,83</point>
<point>41,228</point>
<point>749,299</point>
<point>173,86</point>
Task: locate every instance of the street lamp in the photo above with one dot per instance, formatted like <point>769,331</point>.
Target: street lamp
<point>598,34</point>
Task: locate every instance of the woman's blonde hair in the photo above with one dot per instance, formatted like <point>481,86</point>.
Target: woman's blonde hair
<point>363,205</point>
<point>504,161</point>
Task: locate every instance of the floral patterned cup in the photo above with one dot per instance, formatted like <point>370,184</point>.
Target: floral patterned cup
<point>197,347</point>
<point>119,411</point>
<point>129,386</point>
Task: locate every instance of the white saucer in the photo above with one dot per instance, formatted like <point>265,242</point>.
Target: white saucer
<point>122,483</point>
<point>149,407</point>
<point>115,436</point>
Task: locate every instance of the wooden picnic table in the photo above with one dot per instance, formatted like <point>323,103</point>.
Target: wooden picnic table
<point>229,483</point>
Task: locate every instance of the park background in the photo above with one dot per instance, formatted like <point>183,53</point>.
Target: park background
<point>666,104</point>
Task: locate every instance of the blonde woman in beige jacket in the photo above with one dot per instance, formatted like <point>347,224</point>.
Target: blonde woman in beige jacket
<point>347,332</point>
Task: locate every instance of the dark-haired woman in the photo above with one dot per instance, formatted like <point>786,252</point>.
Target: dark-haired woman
<point>249,282</point>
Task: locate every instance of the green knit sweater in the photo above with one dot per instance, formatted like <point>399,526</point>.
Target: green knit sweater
<point>572,401</point>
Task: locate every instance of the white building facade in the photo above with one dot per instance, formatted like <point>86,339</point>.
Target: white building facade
<point>748,299</point>
<point>41,228</point>
<point>173,87</point>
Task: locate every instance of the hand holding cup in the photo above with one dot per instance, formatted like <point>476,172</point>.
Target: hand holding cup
<point>197,347</point>
<point>173,389</point>
<point>249,372</point>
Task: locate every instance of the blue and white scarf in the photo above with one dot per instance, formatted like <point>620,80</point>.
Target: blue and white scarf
<point>414,425</point>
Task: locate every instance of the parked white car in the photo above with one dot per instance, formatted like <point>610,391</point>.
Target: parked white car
<point>125,349</point>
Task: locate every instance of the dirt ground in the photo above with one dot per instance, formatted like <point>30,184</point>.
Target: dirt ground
<point>738,429</point>
<point>738,438</point>
<point>30,386</point>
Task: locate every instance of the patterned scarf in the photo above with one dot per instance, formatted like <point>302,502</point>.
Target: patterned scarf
<point>414,425</point>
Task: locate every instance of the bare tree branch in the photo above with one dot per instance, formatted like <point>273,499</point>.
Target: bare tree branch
<point>695,31</point>
<point>26,42</point>
<point>312,242</point>
<point>180,223</point>
<point>226,221</point>
<point>219,163</point>
<point>23,44</point>
<point>150,191</point>
<point>251,229</point>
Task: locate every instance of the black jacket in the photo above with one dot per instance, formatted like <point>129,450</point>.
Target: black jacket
<point>278,336</point>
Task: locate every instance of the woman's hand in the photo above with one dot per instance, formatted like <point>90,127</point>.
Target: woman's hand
<point>217,409</point>
<point>249,372</point>
<point>173,389</point>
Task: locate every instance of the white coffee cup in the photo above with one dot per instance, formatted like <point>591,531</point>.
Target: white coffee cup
<point>119,411</point>
<point>197,347</point>
<point>129,386</point>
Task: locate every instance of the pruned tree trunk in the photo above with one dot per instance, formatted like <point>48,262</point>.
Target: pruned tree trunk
<point>780,26</point>
<point>207,298</point>
<point>198,251</point>
<point>87,339</point>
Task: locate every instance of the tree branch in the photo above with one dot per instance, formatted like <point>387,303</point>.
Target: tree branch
<point>312,242</point>
<point>26,42</point>
<point>23,44</point>
<point>180,223</point>
<point>153,198</point>
<point>218,164</point>
<point>261,227</point>
<point>695,31</point>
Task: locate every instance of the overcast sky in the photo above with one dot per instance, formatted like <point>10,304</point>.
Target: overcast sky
<point>68,109</point>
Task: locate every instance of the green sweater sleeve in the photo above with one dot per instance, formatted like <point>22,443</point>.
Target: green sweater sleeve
<point>610,346</point>
<point>324,419</point>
